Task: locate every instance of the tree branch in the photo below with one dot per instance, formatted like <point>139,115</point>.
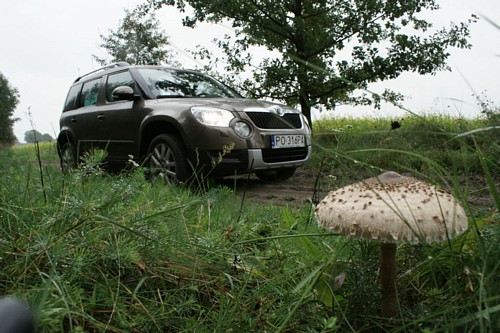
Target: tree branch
<point>240,18</point>
<point>336,41</point>
<point>319,13</point>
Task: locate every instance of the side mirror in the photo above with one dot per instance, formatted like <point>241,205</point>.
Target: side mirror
<point>124,93</point>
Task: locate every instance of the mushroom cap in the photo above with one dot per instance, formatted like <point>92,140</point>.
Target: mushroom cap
<point>392,209</point>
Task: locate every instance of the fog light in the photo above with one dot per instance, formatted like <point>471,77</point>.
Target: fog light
<point>242,129</point>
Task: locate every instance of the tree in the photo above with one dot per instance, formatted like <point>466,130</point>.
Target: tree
<point>9,98</point>
<point>35,136</point>
<point>326,49</point>
<point>138,41</point>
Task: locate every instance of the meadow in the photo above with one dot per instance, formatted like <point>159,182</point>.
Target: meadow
<point>98,252</point>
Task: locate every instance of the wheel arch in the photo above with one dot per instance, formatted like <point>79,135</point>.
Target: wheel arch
<point>155,127</point>
<point>63,137</point>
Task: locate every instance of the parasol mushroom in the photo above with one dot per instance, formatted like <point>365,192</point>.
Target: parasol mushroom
<point>392,209</point>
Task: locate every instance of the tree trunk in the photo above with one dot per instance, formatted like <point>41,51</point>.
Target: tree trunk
<point>303,72</point>
<point>305,106</point>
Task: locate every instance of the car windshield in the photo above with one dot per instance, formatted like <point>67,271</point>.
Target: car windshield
<point>169,83</point>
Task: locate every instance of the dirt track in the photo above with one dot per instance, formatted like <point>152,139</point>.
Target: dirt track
<point>300,189</point>
<point>296,191</point>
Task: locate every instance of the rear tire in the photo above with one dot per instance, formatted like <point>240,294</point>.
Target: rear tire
<point>277,175</point>
<point>167,160</point>
<point>68,157</point>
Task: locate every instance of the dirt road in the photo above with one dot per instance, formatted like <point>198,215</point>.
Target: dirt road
<point>296,191</point>
<point>300,189</point>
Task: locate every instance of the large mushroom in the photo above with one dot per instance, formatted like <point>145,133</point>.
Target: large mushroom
<point>392,209</point>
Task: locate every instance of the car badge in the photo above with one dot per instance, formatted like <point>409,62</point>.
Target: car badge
<point>277,110</point>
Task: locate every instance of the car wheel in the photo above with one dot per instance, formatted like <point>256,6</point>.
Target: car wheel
<point>276,175</point>
<point>167,160</point>
<point>68,157</point>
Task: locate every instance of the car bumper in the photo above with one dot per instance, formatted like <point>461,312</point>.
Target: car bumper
<point>249,160</point>
<point>261,159</point>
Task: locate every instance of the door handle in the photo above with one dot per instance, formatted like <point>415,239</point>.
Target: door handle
<point>101,117</point>
<point>73,120</point>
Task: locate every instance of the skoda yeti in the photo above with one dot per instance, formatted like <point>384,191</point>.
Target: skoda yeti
<point>178,123</point>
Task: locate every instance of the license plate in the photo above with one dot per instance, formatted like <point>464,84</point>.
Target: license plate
<point>287,141</point>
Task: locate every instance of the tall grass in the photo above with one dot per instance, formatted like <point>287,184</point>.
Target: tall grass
<point>433,138</point>
<point>113,253</point>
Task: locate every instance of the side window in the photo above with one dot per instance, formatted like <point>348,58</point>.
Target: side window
<point>117,80</point>
<point>90,92</point>
<point>72,97</point>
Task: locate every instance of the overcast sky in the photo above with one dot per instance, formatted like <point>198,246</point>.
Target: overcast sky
<point>46,44</point>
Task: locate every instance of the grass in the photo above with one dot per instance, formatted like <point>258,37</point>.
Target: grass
<point>419,140</point>
<point>114,253</point>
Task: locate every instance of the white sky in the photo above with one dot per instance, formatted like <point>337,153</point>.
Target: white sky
<point>45,45</point>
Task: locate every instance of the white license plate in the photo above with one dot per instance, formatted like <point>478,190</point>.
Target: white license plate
<point>287,141</point>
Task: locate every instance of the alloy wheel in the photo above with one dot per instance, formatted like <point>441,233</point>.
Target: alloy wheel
<point>162,163</point>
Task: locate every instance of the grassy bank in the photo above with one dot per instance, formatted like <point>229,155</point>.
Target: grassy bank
<point>97,252</point>
<point>418,145</point>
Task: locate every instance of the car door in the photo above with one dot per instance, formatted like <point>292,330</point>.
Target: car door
<point>85,117</point>
<point>119,120</point>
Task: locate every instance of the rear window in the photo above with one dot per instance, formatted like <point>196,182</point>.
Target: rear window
<point>72,97</point>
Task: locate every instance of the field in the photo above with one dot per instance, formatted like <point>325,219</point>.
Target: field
<point>94,252</point>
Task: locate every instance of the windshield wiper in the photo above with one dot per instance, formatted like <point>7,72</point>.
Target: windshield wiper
<point>171,96</point>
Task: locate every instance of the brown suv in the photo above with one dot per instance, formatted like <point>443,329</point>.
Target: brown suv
<point>179,121</point>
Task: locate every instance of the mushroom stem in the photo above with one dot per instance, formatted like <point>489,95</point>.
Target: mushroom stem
<point>389,307</point>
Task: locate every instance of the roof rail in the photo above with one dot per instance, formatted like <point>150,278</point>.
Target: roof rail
<point>116,64</point>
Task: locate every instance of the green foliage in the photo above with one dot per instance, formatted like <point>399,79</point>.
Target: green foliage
<point>138,41</point>
<point>421,144</point>
<point>28,153</point>
<point>35,136</point>
<point>9,98</point>
<point>120,253</point>
<point>310,40</point>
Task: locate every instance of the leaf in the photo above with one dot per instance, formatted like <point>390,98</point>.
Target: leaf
<point>141,282</point>
<point>325,293</point>
<point>482,129</point>
<point>331,280</point>
<point>310,277</point>
<point>339,281</point>
<point>140,264</point>
<point>309,246</point>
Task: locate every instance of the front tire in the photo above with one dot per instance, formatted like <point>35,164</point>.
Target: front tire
<point>167,160</point>
<point>276,175</point>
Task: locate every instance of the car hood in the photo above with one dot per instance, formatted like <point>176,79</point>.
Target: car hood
<point>230,104</point>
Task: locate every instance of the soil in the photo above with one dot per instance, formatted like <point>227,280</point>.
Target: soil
<point>301,189</point>
<point>296,191</point>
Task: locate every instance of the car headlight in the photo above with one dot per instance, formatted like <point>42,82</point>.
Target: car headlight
<point>212,116</point>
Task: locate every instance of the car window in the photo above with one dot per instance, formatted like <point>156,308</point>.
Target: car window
<point>117,80</point>
<point>90,91</point>
<point>72,97</point>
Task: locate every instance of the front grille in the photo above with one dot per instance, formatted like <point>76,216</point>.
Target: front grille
<point>284,154</point>
<point>268,120</point>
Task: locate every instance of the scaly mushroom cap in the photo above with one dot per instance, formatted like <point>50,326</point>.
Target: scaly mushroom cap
<point>392,209</point>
